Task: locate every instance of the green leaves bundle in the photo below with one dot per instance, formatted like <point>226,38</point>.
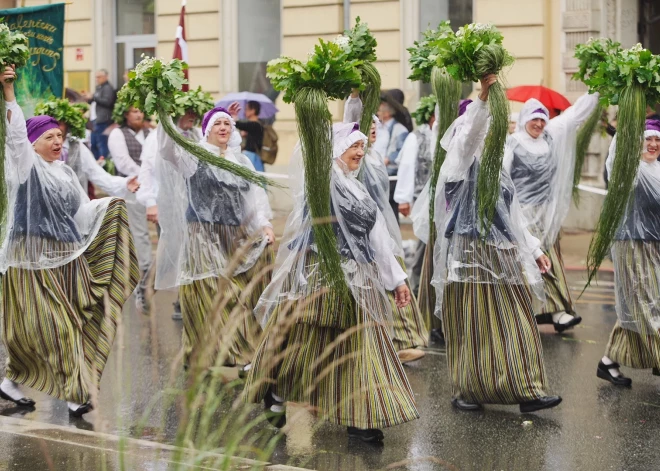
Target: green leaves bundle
<point>330,72</point>
<point>425,109</point>
<point>153,87</point>
<point>424,53</point>
<point>629,78</point>
<point>62,110</point>
<point>14,50</point>
<point>470,54</point>
<point>196,101</point>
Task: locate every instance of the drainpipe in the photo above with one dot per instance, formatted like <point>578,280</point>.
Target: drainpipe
<point>347,14</point>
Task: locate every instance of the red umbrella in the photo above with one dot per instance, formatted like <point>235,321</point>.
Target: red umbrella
<point>550,98</point>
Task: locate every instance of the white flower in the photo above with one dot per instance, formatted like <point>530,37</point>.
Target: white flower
<point>342,41</point>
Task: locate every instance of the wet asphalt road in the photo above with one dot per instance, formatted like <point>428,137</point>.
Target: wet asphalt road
<point>597,427</point>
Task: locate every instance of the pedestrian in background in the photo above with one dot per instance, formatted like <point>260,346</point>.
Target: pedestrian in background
<point>253,134</point>
<point>103,101</point>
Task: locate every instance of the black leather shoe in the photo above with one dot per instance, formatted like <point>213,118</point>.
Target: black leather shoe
<point>656,372</point>
<point>276,419</point>
<point>559,328</point>
<point>603,372</point>
<point>369,435</point>
<point>546,402</point>
<point>82,410</point>
<point>242,372</point>
<point>22,402</point>
<point>460,404</point>
<point>437,336</point>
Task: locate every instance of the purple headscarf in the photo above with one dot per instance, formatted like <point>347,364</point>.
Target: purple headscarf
<point>38,125</point>
<point>462,106</point>
<point>653,125</point>
<point>209,115</point>
<point>540,110</point>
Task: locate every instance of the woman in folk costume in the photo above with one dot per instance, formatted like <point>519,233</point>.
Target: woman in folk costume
<point>77,156</point>
<point>409,330</point>
<point>69,265</point>
<point>635,340</point>
<point>320,348</point>
<point>540,157</point>
<point>482,279</point>
<point>214,244</point>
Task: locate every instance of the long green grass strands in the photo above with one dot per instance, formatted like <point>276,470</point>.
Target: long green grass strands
<point>630,132</point>
<point>210,158</point>
<point>370,95</point>
<point>490,60</point>
<point>314,122</point>
<point>584,135</point>
<point>447,91</point>
<point>3,185</point>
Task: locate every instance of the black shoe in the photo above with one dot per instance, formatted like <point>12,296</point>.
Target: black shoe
<point>437,336</point>
<point>656,372</point>
<point>242,372</point>
<point>276,419</point>
<point>82,410</point>
<point>559,328</point>
<point>22,402</point>
<point>603,372</point>
<point>546,402</point>
<point>460,404</point>
<point>177,311</point>
<point>370,435</point>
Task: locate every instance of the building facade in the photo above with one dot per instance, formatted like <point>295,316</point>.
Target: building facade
<point>230,41</point>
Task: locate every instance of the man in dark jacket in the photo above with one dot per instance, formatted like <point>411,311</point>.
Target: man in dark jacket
<point>253,133</point>
<point>104,99</point>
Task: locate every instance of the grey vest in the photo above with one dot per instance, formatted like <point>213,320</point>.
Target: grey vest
<point>424,161</point>
<point>133,145</point>
<point>533,174</point>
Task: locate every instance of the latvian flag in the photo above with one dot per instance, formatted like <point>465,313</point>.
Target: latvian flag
<point>180,44</point>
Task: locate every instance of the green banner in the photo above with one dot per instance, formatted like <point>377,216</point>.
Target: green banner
<point>43,76</point>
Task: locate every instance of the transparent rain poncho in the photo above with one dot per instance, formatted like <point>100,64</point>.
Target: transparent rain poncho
<point>636,252</point>
<point>367,250</point>
<point>51,220</point>
<point>542,168</point>
<point>463,253</point>
<point>208,216</point>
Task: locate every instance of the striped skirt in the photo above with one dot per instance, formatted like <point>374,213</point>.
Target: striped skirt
<point>59,324</point>
<point>334,358</point>
<point>426,297</point>
<point>557,293</point>
<point>638,304</point>
<point>409,328</point>
<point>493,346</point>
<point>217,312</point>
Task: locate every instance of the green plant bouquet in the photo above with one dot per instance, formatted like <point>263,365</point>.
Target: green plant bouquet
<point>329,73</point>
<point>361,46</point>
<point>72,114</point>
<point>583,140</point>
<point>197,101</point>
<point>425,109</point>
<point>468,55</point>
<point>14,50</point>
<point>153,87</point>
<point>447,90</point>
<point>629,78</point>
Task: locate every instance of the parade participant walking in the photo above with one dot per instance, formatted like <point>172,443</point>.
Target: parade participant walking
<point>69,264</point>
<point>409,329</point>
<point>540,157</point>
<point>483,280</point>
<point>77,156</point>
<point>635,340</point>
<point>320,348</point>
<point>125,144</point>
<point>214,243</point>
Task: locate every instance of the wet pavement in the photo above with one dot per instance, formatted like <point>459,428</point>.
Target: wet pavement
<point>597,427</point>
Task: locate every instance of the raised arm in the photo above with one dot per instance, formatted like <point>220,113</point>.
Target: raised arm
<point>19,150</point>
<point>575,115</point>
<point>353,108</point>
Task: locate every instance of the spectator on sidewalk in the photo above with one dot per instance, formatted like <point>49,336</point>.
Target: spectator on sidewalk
<point>103,101</point>
<point>253,134</point>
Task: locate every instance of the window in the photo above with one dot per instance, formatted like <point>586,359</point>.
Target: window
<point>259,38</point>
<point>432,12</point>
<point>135,29</point>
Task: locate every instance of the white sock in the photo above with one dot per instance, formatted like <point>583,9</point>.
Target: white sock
<point>278,408</point>
<point>613,371</point>
<point>247,367</point>
<point>277,398</point>
<point>73,406</point>
<point>561,318</point>
<point>11,389</point>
